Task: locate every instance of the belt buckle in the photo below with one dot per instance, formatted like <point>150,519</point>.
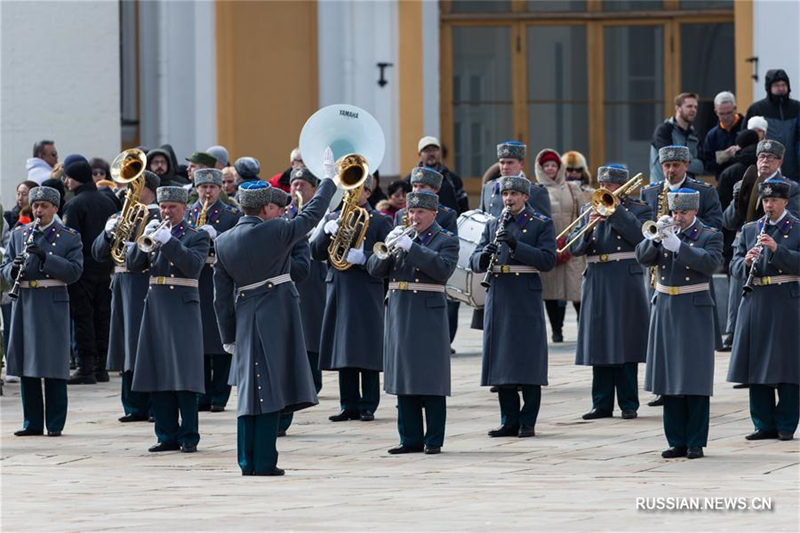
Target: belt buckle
<point>603,258</point>
<point>33,284</point>
<point>161,280</point>
<point>673,291</point>
<point>402,285</point>
<point>505,269</point>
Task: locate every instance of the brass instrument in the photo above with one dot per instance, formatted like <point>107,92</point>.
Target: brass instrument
<point>657,231</point>
<point>662,209</point>
<point>604,203</point>
<point>351,174</point>
<point>146,243</point>
<point>202,216</point>
<point>299,197</point>
<point>384,250</point>
<point>505,216</point>
<point>14,292</point>
<point>128,169</point>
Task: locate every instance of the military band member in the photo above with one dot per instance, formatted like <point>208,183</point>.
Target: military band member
<point>511,156</point>
<point>352,325</point>
<point>428,179</point>
<point>524,246</point>
<point>39,343</point>
<point>766,340</point>
<point>260,322</point>
<point>612,331</point>
<point>416,344</point>
<point>169,354</point>
<point>674,162</point>
<point>219,217</point>
<point>128,291</point>
<point>680,346</point>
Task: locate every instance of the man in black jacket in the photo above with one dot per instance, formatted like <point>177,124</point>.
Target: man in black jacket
<point>452,193</point>
<point>90,296</point>
<point>783,117</point>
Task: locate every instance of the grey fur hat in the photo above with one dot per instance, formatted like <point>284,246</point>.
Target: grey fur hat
<point>43,193</point>
<point>172,194</point>
<point>422,200</point>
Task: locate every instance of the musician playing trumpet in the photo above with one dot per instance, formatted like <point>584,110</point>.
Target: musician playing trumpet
<point>214,217</point>
<point>416,344</point>
<point>680,346</point>
<point>38,347</point>
<point>764,354</point>
<point>169,354</point>
<point>612,330</point>
<point>525,246</point>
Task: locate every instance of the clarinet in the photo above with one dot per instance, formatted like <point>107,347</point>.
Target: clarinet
<point>505,216</point>
<point>749,284</point>
<point>14,292</point>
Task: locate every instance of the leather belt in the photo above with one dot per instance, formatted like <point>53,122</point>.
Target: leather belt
<point>683,289</point>
<point>514,269</point>
<point>270,282</point>
<point>774,280</point>
<point>121,270</point>
<point>607,258</point>
<point>41,283</point>
<point>167,280</point>
<point>410,286</point>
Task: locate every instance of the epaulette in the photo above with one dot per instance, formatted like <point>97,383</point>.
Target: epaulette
<point>788,222</point>
<point>445,208</point>
<point>447,233</point>
<point>232,209</point>
<point>657,184</point>
<point>693,233</point>
<point>700,183</point>
<point>69,230</point>
<point>189,228</point>
<point>540,217</point>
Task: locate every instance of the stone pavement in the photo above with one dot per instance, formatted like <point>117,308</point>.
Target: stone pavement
<point>574,475</point>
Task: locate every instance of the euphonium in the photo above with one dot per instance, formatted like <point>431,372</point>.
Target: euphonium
<point>351,174</point>
<point>128,168</point>
<point>147,243</point>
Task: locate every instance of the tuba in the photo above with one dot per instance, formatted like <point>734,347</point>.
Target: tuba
<point>128,169</point>
<point>357,142</point>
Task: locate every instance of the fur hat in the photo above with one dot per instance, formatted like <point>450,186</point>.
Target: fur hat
<point>45,194</point>
<point>515,183</point>
<point>612,174</point>
<point>208,175</point>
<point>172,194</point>
<point>304,174</point>
<point>427,176</point>
<point>775,188</point>
<point>767,146</point>
<point>422,200</point>
<point>511,149</point>
<point>674,153</point>
<point>683,199</point>
<point>254,194</point>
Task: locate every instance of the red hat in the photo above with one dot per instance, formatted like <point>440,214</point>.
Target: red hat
<point>549,156</point>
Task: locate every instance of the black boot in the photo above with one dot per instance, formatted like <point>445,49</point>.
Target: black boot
<point>82,376</point>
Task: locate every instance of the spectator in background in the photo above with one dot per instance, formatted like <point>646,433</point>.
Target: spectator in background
<point>160,163</point>
<point>377,191</point>
<point>220,153</point>
<point>575,169</point>
<point>248,168</point>
<point>197,161</point>
<point>720,145</point>
<point>12,215</point>
<point>283,179</point>
<point>57,184</point>
<point>397,198</point>
<point>230,180</point>
<point>451,193</point>
<point>44,159</point>
<point>759,125</point>
<point>101,175</point>
<point>677,131</point>
<point>783,116</point>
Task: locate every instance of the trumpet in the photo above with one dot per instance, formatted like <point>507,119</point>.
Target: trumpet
<point>384,250</point>
<point>146,243</point>
<point>656,231</point>
<point>604,203</point>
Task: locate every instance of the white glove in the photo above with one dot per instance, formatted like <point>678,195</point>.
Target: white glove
<point>230,348</point>
<point>151,226</point>
<point>331,226</point>
<point>328,164</point>
<point>665,219</point>
<point>671,242</point>
<point>394,233</point>
<point>404,243</point>
<point>111,223</point>
<point>208,228</point>
<point>355,256</point>
<point>163,235</point>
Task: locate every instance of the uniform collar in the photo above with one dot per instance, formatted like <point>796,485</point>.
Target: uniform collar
<point>693,231</point>
<point>429,233</point>
<point>678,186</point>
<point>249,219</point>
<point>780,218</point>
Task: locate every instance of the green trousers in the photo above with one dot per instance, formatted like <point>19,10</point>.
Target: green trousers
<point>316,373</point>
<point>367,398</point>
<point>134,403</point>
<point>167,405</point>
<point>255,442</point>
<point>50,410</point>
<point>686,420</point>
<point>511,414</point>
<point>409,420</point>
<point>620,377</point>
<point>216,366</point>
<point>769,416</point>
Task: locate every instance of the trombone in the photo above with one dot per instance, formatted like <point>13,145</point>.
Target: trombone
<point>604,203</point>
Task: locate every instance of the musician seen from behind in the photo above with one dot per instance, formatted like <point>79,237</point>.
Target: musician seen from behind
<point>680,346</point>
<point>128,291</point>
<point>612,330</point>
<point>765,344</point>
<point>416,342</point>
<point>169,354</point>
<point>44,258</point>
<point>213,216</point>
<point>515,248</point>
<point>511,157</point>
<point>259,317</point>
<point>351,341</point>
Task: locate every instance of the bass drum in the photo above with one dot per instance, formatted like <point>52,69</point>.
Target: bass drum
<point>465,285</point>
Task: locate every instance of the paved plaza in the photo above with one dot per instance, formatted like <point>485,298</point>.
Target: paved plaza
<point>574,475</point>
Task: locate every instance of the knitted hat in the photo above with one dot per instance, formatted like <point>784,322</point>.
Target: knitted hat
<point>172,194</point>
<point>683,200</point>
<point>549,155</point>
<point>247,167</point>
<point>423,200</point>
<point>254,194</point>
<point>768,146</point>
<point>674,153</point>
<point>511,149</point>
<point>79,170</point>
<point>612,174</point>
<point>515,183</point>
<point>208,175</point>
<point>428,176</point>
<point>757,122</point>
<point>45,194</point>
